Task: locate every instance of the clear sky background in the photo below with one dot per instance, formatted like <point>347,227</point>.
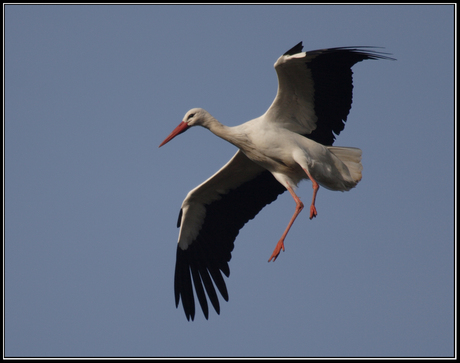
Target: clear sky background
<point>91,202</point>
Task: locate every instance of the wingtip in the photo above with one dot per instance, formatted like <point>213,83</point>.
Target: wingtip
<point>295,49</point>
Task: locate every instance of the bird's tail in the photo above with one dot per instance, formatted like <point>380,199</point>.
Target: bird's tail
<point>351,157</point>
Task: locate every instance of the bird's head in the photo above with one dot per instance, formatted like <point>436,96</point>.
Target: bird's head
<point>194,117</point>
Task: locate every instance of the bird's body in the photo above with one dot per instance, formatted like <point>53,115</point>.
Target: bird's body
<point>286,154</point>
<point>290,142</point>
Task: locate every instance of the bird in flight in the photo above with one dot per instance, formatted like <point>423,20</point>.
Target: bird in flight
<point>290,142</point>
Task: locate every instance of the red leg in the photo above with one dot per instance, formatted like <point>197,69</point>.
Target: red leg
<point>298,209</point>
<point>315,186</point>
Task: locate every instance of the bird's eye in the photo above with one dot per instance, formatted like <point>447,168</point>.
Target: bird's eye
<point>190,116</point>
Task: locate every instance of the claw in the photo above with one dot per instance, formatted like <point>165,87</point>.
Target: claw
<point>313,212</point>
<point>277,250</point>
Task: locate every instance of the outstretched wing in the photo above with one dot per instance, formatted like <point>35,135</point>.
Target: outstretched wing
<point>210,219</point>
<point>315,90</point>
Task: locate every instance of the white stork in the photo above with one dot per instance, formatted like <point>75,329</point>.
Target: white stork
<point>290,142</point>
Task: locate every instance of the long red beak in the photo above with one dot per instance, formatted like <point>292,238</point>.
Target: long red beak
<point>178,130</point>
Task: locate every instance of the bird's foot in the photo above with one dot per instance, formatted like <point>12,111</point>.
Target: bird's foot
<point>277,250</point>
<point>313,212</point>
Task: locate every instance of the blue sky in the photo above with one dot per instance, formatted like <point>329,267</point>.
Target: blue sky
<point>91,203</point>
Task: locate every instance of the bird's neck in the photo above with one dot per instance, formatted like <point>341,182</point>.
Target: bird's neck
<point>230,134</point>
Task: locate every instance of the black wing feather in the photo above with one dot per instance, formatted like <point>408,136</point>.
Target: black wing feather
<point>333,82</point>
